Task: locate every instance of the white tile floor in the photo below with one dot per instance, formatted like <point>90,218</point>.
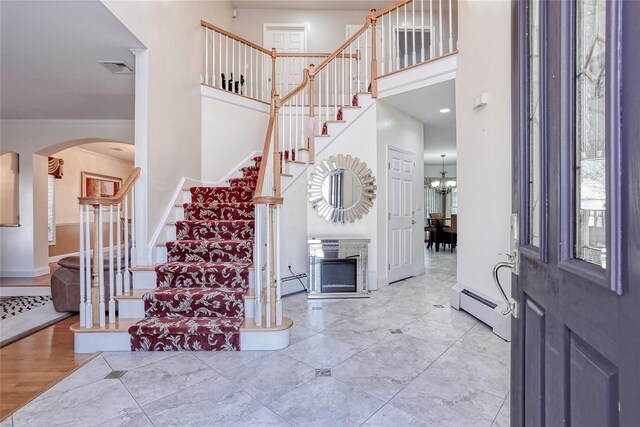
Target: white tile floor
<point>444,369</point>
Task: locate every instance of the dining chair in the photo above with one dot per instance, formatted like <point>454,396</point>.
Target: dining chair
<point>452,230</point>
<point>432,229</point>
<point>436,222</point>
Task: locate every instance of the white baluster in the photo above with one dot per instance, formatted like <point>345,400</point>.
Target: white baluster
<point>213,58</point>
<point>119,278</point>
<point>233,63</point>
<point>221,70</point>
<point>134,250</point>
<point>278,275</point>
<point>244,68</point>
<point>257,265</point>
<point>328,83</point>
<point>226,61</point>
<point>367,64</point>
<point>431,33</point>
<point>87,265</point>
<point>82,283</point>
<point>358,63</point>
<point>268,281</point>
<point>422,29</point>
<point>450,28</point>
<point>413,32</point>
<point>382,43</point>
<point>112,302</point>
<point>397,42</point>
<point>406,40</point>
<point>440,29</point>
<point>100,256</point>
<point>319,113</point>
<point>206,56</point>
<point>125,274</point>
<point>350,95</point>
<point>391,45</point>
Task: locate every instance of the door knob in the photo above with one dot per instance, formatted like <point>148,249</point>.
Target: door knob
<point>413,222</point>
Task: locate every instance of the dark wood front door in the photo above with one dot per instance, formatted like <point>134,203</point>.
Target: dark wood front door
<point>576,162</point>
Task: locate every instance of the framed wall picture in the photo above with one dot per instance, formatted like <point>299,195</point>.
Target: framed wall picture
<point>94,185</point>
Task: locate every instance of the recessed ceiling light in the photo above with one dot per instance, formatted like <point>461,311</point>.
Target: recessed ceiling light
<point>445,110</point>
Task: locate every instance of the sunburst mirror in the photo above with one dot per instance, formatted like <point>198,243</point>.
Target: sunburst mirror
<point>342,189</point>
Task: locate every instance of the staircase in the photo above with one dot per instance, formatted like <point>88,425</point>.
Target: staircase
<point>215,283</point>
<point>199,303</point>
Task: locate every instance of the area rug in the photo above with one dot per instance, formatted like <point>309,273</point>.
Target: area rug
<point>24,315</point>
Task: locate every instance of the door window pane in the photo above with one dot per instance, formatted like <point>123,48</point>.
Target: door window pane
<point>534,123</point>
<point>590,174</point>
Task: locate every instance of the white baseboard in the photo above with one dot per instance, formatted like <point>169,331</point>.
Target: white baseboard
<point>26,273</point>
<point>420,271</point>
<point>492,317</point>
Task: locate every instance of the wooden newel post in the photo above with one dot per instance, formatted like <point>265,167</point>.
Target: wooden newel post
<point>312,114</point>
<point>273,72</point>
<point>95,267</point>
<point>374,60</point>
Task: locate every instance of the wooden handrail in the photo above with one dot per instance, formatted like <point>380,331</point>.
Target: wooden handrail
<point>234,37</point>
<point>113,200</point>
<point>265,150</point>
<point>391,8</point>
<point>343,46</point>
<point>294,92</point>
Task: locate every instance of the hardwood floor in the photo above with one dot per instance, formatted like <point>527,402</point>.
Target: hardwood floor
<point>31,365</point>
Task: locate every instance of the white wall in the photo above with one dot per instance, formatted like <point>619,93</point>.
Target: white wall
<point>24,249</point>
<point>431,171</point>
<point>326,29</point>
<point>230,133</point>
<point>483,142</point>
<point>293,242</point>
<point>172,33</point>
<point>396,129</point>
<point>358,140</point>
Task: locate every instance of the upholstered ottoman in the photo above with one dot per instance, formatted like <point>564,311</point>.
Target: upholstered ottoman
<point>65,284</point>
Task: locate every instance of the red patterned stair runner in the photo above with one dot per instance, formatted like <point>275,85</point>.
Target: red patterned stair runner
<point>199,301</point>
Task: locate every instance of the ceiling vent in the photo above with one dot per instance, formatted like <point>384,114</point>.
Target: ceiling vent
<point>117,67</point>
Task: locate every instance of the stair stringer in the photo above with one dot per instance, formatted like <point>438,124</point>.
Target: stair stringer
<point>350,115</point>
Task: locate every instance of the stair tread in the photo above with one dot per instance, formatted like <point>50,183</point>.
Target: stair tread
<point>335,121</point>
<point>295,161</point>
<point>193,325</point>
<point>286,174</point>
<point>123,325</point>
<point>133,294</point>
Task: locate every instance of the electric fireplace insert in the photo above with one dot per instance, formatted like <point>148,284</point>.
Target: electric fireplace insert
<point>338,268</point>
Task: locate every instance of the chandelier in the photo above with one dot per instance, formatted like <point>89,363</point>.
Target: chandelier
<point>443,186</point>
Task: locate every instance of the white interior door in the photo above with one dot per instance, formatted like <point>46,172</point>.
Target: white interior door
<point>400,214</point>
<point>287,39</point>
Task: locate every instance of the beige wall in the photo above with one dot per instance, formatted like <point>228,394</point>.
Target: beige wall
<point>9,202</point>
<point>326,29</point>
<point>67,189</point>
<point>483,143</point>
<point>172,33</point>
<point>24,250</point>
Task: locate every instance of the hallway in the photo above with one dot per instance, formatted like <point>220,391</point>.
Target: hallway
<point>442,368</point>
